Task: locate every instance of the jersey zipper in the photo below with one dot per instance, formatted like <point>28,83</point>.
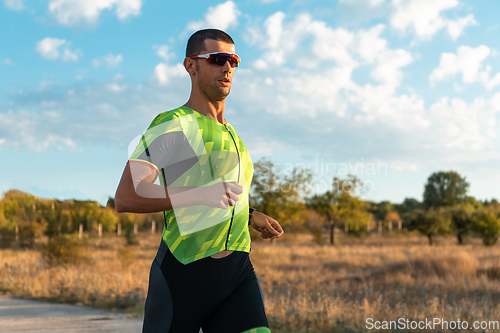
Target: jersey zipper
<point>237,153</point>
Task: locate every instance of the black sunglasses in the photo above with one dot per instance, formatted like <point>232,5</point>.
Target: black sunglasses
<point>219,58</point>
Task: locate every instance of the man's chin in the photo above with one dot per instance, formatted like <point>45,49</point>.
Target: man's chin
<point>222,94</point>
<point>217,94</point>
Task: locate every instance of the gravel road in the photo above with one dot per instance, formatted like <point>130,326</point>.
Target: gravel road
<point>18,315</point>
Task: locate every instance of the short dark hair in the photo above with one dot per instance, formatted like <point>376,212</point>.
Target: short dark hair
<point>196,45</point>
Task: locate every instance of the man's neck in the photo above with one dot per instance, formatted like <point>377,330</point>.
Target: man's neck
<point>214,110</point>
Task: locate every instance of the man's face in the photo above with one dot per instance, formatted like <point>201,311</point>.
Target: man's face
<point>214,80</point>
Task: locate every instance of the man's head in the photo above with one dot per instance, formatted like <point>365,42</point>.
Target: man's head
<point>208,78</point>
<point>196,43</point>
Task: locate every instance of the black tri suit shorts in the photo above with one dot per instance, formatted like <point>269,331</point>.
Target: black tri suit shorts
<point>217,295</point>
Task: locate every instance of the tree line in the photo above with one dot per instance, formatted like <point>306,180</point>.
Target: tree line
<point>445,209</point>
<point>25,218</point>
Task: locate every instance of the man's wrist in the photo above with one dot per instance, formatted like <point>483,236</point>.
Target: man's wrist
<point>250,211</point>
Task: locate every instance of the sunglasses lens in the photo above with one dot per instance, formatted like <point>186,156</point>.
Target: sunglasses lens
<point>220,59</point>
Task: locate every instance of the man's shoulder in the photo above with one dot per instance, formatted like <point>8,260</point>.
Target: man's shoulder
<point>169,115</point>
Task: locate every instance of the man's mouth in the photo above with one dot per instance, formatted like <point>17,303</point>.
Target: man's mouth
<point>225,81</point>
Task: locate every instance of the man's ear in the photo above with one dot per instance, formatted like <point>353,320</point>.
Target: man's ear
<point>190,66</point>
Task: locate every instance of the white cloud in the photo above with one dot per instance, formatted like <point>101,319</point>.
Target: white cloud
<point>163,52</point>
<point>340,107</point>
<point>466,127</point>
<point>386,63</point>
<point>281,39</point>
<point>370,44</point>
<point>311,42</point>
<point>17,134</point>
<point>14,4</point>
<point>97,113</point>
<point>274,28</point>
<point>371,3</point>
<point>222,16</point>
<point>424,18</point>
<point>490,83</point>
<point>70,12</point>
<point>108,60</point>
<point>49,47</point>
<point>495,102</point>
<point>330,108</point>
<point>260,146</point>
<point>164,73</point>
<point>114,87</point>
<point>388,66</point>
<point>70,55</point>
<point>5,61</point>
<point>456,28</point>
<point>260,64</point>
<point>331,43</point>
<point>468,61</point>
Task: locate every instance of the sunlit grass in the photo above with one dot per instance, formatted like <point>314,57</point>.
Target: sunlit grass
<point>307,287</point>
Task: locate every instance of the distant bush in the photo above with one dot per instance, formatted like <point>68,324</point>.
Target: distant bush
<point>7,237</point>
<point>64,250</point>
<point>487,225</point>
<point>131,236</point>
<point>317,236</point>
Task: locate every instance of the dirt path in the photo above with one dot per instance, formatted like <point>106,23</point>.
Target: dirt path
<point>18,315</point>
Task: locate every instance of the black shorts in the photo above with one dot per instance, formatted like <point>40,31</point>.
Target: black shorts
<point>217,295</point>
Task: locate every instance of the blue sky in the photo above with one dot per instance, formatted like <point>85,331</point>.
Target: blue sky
<point>390,90</point>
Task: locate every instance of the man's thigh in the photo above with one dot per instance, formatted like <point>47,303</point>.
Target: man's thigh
<point>160,316</point>
<point>242,312</point>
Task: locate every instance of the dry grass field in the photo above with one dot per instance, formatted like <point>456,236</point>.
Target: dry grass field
<point>307,287</point>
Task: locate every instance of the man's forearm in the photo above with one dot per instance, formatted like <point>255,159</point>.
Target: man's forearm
<point>151,198</point>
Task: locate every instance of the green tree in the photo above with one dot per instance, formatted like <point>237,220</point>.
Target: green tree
<point>23,210</point>
<point>384,211</point>
<point>445,189</point>
<point>381,210</point>
<point>487,225</point>
<point>51,212</point>
<point>7,228</point>
<point>461,216</point>
<point>279,193</point>
<point>127,221</point>
<point>325,205</point>
<point>108,217</point>
<point>110,203</point>
<point>392,217</point>
<point>357,217</point>
<point>410,204</point>
<point>340,205</point>
<point>431,222</point>
<point>406,208</point>
<point>86,213</point>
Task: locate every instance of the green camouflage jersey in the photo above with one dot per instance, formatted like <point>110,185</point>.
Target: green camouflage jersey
<point>188,149</point>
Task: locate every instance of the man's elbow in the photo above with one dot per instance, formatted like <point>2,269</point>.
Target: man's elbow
<point>119,206</point>
<point>121,203</point>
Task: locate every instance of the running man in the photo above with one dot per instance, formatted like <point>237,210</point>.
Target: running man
<point>202,276</point>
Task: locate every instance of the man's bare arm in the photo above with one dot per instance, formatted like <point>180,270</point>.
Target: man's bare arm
<point>136,193</point>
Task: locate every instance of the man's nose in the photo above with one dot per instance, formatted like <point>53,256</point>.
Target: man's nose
<point>227,66</point>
